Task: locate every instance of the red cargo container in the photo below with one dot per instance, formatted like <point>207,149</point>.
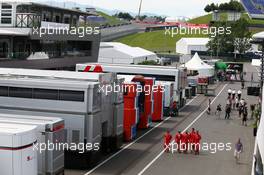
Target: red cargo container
<point>145,116</point>
<point>129,124</point>
<point>130,94</point>
<point>158,104</point>
<point>130,110</point>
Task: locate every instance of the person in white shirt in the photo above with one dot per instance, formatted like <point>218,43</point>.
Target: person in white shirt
<point>237,102</point>
<point>242,101</point>
<point>229,91</point>
<point>239,94</point>
<point>233,94</point>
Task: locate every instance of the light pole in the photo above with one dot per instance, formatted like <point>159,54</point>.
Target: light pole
<point>139,10</point>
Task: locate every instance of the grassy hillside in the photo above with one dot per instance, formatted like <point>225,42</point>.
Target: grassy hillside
<point>207,18</point>
<point>154,41</point>
<point>253,21</point>
<point>158,41</point>
<point>111,20</point>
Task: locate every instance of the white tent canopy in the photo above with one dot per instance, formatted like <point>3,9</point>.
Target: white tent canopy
<point>196,64</point>
<point>114,52</point>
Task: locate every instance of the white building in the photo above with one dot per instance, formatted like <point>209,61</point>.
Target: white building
<point>186,45</point>
<point>113,52</point>
<point>171,20</point>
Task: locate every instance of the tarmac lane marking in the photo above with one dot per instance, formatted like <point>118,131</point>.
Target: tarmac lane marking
<point>197,118</point>
<point>130,144</point>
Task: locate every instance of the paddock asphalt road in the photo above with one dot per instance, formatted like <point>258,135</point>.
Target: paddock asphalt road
<point>145,157</point>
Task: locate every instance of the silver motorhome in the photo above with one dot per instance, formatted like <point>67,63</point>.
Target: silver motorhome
<point>50,130</point>
<point>112,108</point>
<point>78,102</point>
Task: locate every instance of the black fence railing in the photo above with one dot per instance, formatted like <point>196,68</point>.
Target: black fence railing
<point>230,56</point>
<point>48,54</point>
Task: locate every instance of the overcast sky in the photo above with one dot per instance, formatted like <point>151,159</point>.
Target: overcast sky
<point>172,8</point>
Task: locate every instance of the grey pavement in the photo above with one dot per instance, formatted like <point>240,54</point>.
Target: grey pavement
<point>214,130</point>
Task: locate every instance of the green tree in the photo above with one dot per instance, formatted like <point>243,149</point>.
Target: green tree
<point>141,18</point>
<point>227,6</point>
<point>238,40</point>
<point>211,7</point>
<point>125,16</point>
<point>241,36</point>
<point>221,42</point>
<point>208,8</point>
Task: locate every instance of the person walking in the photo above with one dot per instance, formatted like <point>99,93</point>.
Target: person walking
<point>229,92</point>
<point>197,140</point>
<point>209,107</point>
<point>255,128</point>
<point>232,78</point>
<point>218,110</point>
<point>241,107</point>
<point>242,84</point>
<point>228,101</point>
<point>257,112</point>
<point>192,139</point>
<point>233,103</point>
<point>245,115</point>
<point>237,102</point>
<point>252,109</point>
<point>239,93</point>
<point>174,111</point>
<point>178,138</point>
<point>242,102</point>
<point>238,150</point>
<point>184,142</point>
<point>227,111</point>
<point>233,94</point>
<point>240,110</point>
<point>167,140</point>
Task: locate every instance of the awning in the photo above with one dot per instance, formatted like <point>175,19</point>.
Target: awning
<point>221,65</point>
<point>15,31</point>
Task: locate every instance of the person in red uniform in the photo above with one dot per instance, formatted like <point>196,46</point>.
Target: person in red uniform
<point>174,109</point>
<point>185,141</point>
<point>178,138</point>
<point>197,140</point>
<point>188,141</point>
<point>167,140</point>
<point>191,140</point>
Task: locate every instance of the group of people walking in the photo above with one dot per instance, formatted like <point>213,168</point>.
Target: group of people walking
<point>184,142</point>
<point>236,102</point>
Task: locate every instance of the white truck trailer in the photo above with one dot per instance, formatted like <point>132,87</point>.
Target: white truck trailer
<point>17,155</point>
<point>50,130</point>
<point>160,73</point>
